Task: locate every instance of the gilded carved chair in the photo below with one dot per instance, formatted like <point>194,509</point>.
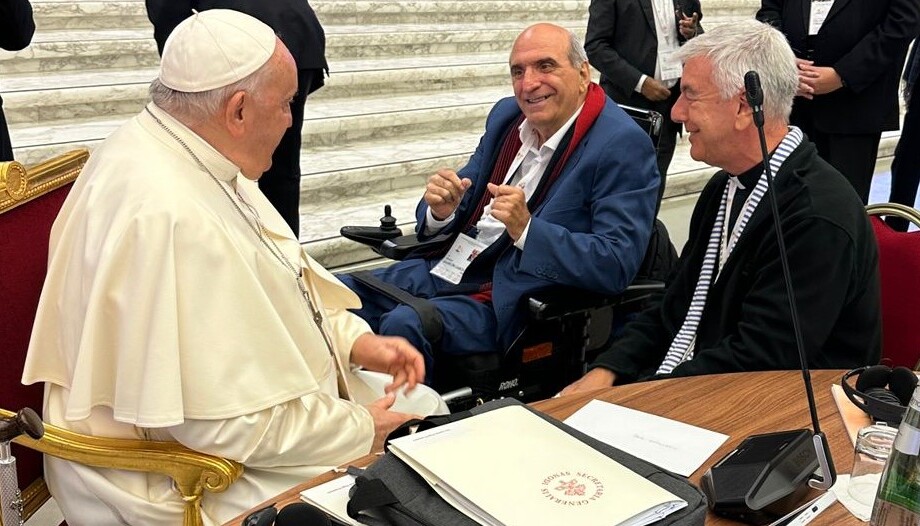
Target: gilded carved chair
<point>29,201</point>
<point>899,266</point>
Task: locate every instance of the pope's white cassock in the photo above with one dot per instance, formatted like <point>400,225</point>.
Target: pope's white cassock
<point>165,317</point>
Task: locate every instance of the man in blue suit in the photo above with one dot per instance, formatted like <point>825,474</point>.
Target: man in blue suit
<point>560,191</point>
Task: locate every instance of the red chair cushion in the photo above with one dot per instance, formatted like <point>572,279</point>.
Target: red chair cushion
<point>899,266</point>
<point>24,234</point>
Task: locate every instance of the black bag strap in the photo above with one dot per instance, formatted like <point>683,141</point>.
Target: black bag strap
<point>369,494</point>
<point>372,502</point>
<point>432,324</point>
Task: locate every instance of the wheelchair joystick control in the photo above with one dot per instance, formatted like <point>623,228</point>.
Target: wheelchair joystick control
<point>388,222</point>
<point>374,236</point>
<point>28,422</point>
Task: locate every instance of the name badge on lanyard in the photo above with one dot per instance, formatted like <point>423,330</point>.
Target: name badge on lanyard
<point>452,266</point>
<point>819,11</point>
<point>671,67</point>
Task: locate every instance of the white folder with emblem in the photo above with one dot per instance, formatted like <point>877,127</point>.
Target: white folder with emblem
<point>509,467</point>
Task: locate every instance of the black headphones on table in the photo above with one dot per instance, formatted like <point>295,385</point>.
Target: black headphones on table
<point>881,391</point>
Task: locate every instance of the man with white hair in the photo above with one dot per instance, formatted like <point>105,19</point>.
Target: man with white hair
<point>178,305</point>
<point>726,310</point>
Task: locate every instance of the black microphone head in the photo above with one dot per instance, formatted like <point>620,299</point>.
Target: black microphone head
<point>752,90</point>
<point>302,514</point>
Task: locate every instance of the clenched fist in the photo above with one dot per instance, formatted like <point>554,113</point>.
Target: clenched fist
<point>444,192</point>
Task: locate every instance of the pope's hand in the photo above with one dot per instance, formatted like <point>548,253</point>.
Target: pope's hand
<point>597,378</point>
<point>385,421</point>
<point>392,355</point>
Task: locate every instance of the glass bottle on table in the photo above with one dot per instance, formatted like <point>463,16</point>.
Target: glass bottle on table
<point>898,500</point>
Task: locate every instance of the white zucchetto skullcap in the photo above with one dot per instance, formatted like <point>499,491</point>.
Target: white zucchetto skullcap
<point>213,49</point>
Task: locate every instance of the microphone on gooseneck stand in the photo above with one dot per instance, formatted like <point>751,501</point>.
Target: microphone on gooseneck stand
<point>766,474</point>
<point>822,450</point>
<point>754,95</point>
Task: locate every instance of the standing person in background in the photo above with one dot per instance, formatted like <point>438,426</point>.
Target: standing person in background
<point>16,30</point>
<point>905,168</point>
<point>850,54</point>
<point>632,44</point>
<point>296,25</point>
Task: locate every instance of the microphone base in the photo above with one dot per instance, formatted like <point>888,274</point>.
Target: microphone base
<point>763,478</point>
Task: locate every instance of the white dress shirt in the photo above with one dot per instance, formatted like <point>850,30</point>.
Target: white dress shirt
<point>526,171</point>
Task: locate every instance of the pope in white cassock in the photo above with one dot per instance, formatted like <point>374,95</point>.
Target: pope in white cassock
<point>179,305</point>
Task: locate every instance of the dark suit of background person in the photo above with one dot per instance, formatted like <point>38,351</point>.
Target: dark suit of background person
<point>905,168</point>
<point>296,24</point>
<point>16,30</point>
<point>865,41</point>
<point>621,43</point>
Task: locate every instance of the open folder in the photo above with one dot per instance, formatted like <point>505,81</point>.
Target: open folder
<point>509,467</point>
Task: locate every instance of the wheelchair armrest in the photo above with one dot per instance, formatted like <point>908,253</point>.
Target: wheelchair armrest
<point>403,247</point>
<point>558,302</point>
<point>374,236</point>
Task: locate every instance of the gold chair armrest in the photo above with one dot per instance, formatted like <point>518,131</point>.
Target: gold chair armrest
<point>193,472</point>
<point>19,185</point>
<point>894,209</point>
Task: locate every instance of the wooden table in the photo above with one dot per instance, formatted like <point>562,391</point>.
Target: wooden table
<point>735,404</point>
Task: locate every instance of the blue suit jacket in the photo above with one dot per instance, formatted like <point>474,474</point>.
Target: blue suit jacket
<point>592,229</point>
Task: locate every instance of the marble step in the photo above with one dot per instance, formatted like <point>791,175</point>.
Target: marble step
<point>718,10</point>
<point>385,40</point>
<point>89,14</point>
<point>449,11</point>
<point>339,122</point>
<point>82,49</point>
<point>429,11</point>
<point>77,50</point>
<point>131,14</point>
<point>123,14</point>
<point>330,123</point>
<point>42,98</point>
<point>370,169</point>
<point>365,77</point>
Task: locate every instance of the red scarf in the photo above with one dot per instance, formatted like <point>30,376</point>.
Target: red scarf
<point>594,104</point>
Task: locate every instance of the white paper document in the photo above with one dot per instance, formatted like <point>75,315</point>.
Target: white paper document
<point>509,467</point>
<point>669,444</point>
<point>332,498</point>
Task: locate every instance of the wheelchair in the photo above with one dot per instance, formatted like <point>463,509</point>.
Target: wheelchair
<point>566,329</point>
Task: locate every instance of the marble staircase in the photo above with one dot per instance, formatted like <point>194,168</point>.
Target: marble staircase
<point>411,84</point>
